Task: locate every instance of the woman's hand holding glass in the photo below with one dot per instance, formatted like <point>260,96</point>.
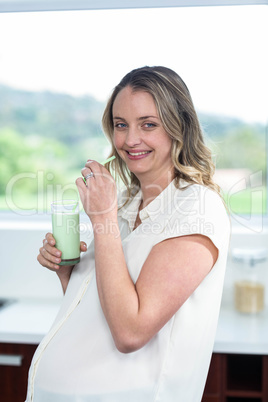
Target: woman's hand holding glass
<point>50,257</point>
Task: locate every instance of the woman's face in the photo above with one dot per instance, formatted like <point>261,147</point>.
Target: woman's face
<point>139,135</point>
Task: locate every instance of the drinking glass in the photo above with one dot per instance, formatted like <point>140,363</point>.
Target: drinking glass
<point>65,228</point>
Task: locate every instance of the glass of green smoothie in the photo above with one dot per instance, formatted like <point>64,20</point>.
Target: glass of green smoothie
<point>65,228</point>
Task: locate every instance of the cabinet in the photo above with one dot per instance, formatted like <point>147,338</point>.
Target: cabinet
<point>15,360</point>
<point>231,377</point>
<point>213,388</point>
<point>237,378</point>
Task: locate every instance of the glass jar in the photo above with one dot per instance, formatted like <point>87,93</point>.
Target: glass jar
<point>248,288</point>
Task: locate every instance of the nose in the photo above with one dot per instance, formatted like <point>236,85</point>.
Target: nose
<point>133,137</point>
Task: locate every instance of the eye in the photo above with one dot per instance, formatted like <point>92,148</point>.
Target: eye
<point>149,125</point>
<point>120,125</point>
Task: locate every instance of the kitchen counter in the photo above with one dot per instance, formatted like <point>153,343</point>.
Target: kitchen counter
<point>242,333</point>
<point>28,321</point>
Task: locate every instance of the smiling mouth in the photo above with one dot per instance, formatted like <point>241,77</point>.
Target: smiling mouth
<point>138,153</point>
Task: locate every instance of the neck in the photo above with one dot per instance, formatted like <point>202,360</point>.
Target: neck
<point>151,189</point>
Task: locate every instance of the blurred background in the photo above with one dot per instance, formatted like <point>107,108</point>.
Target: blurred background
<point>57,70</point>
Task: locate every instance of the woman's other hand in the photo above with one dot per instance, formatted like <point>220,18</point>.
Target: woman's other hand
<point>49,256</point>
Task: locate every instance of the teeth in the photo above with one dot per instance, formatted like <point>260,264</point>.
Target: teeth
<point>138,153</point>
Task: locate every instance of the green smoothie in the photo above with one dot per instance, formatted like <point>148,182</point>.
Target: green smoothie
<point>65,227</point>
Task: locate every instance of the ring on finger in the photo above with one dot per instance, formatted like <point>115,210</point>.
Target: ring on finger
<point>88,176</point>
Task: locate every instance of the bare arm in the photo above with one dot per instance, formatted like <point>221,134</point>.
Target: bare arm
<point>172,271</point>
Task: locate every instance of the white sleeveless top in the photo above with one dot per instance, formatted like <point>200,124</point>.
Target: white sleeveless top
<point>78,362</point>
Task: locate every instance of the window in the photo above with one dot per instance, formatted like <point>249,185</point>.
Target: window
<point>58,68</point>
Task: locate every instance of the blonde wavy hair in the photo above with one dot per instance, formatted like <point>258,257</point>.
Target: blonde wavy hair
<point>191,157</point>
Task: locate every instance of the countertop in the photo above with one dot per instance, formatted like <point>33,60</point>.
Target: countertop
<point>242,333</point>
<point>28,322</point>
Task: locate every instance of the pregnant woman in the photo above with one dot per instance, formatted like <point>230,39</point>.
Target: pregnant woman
<point>140,310</point>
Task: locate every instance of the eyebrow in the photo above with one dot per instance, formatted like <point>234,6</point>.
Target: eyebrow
<point>140,118</point>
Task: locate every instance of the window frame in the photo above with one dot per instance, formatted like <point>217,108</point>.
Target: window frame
<point>60,5</point>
